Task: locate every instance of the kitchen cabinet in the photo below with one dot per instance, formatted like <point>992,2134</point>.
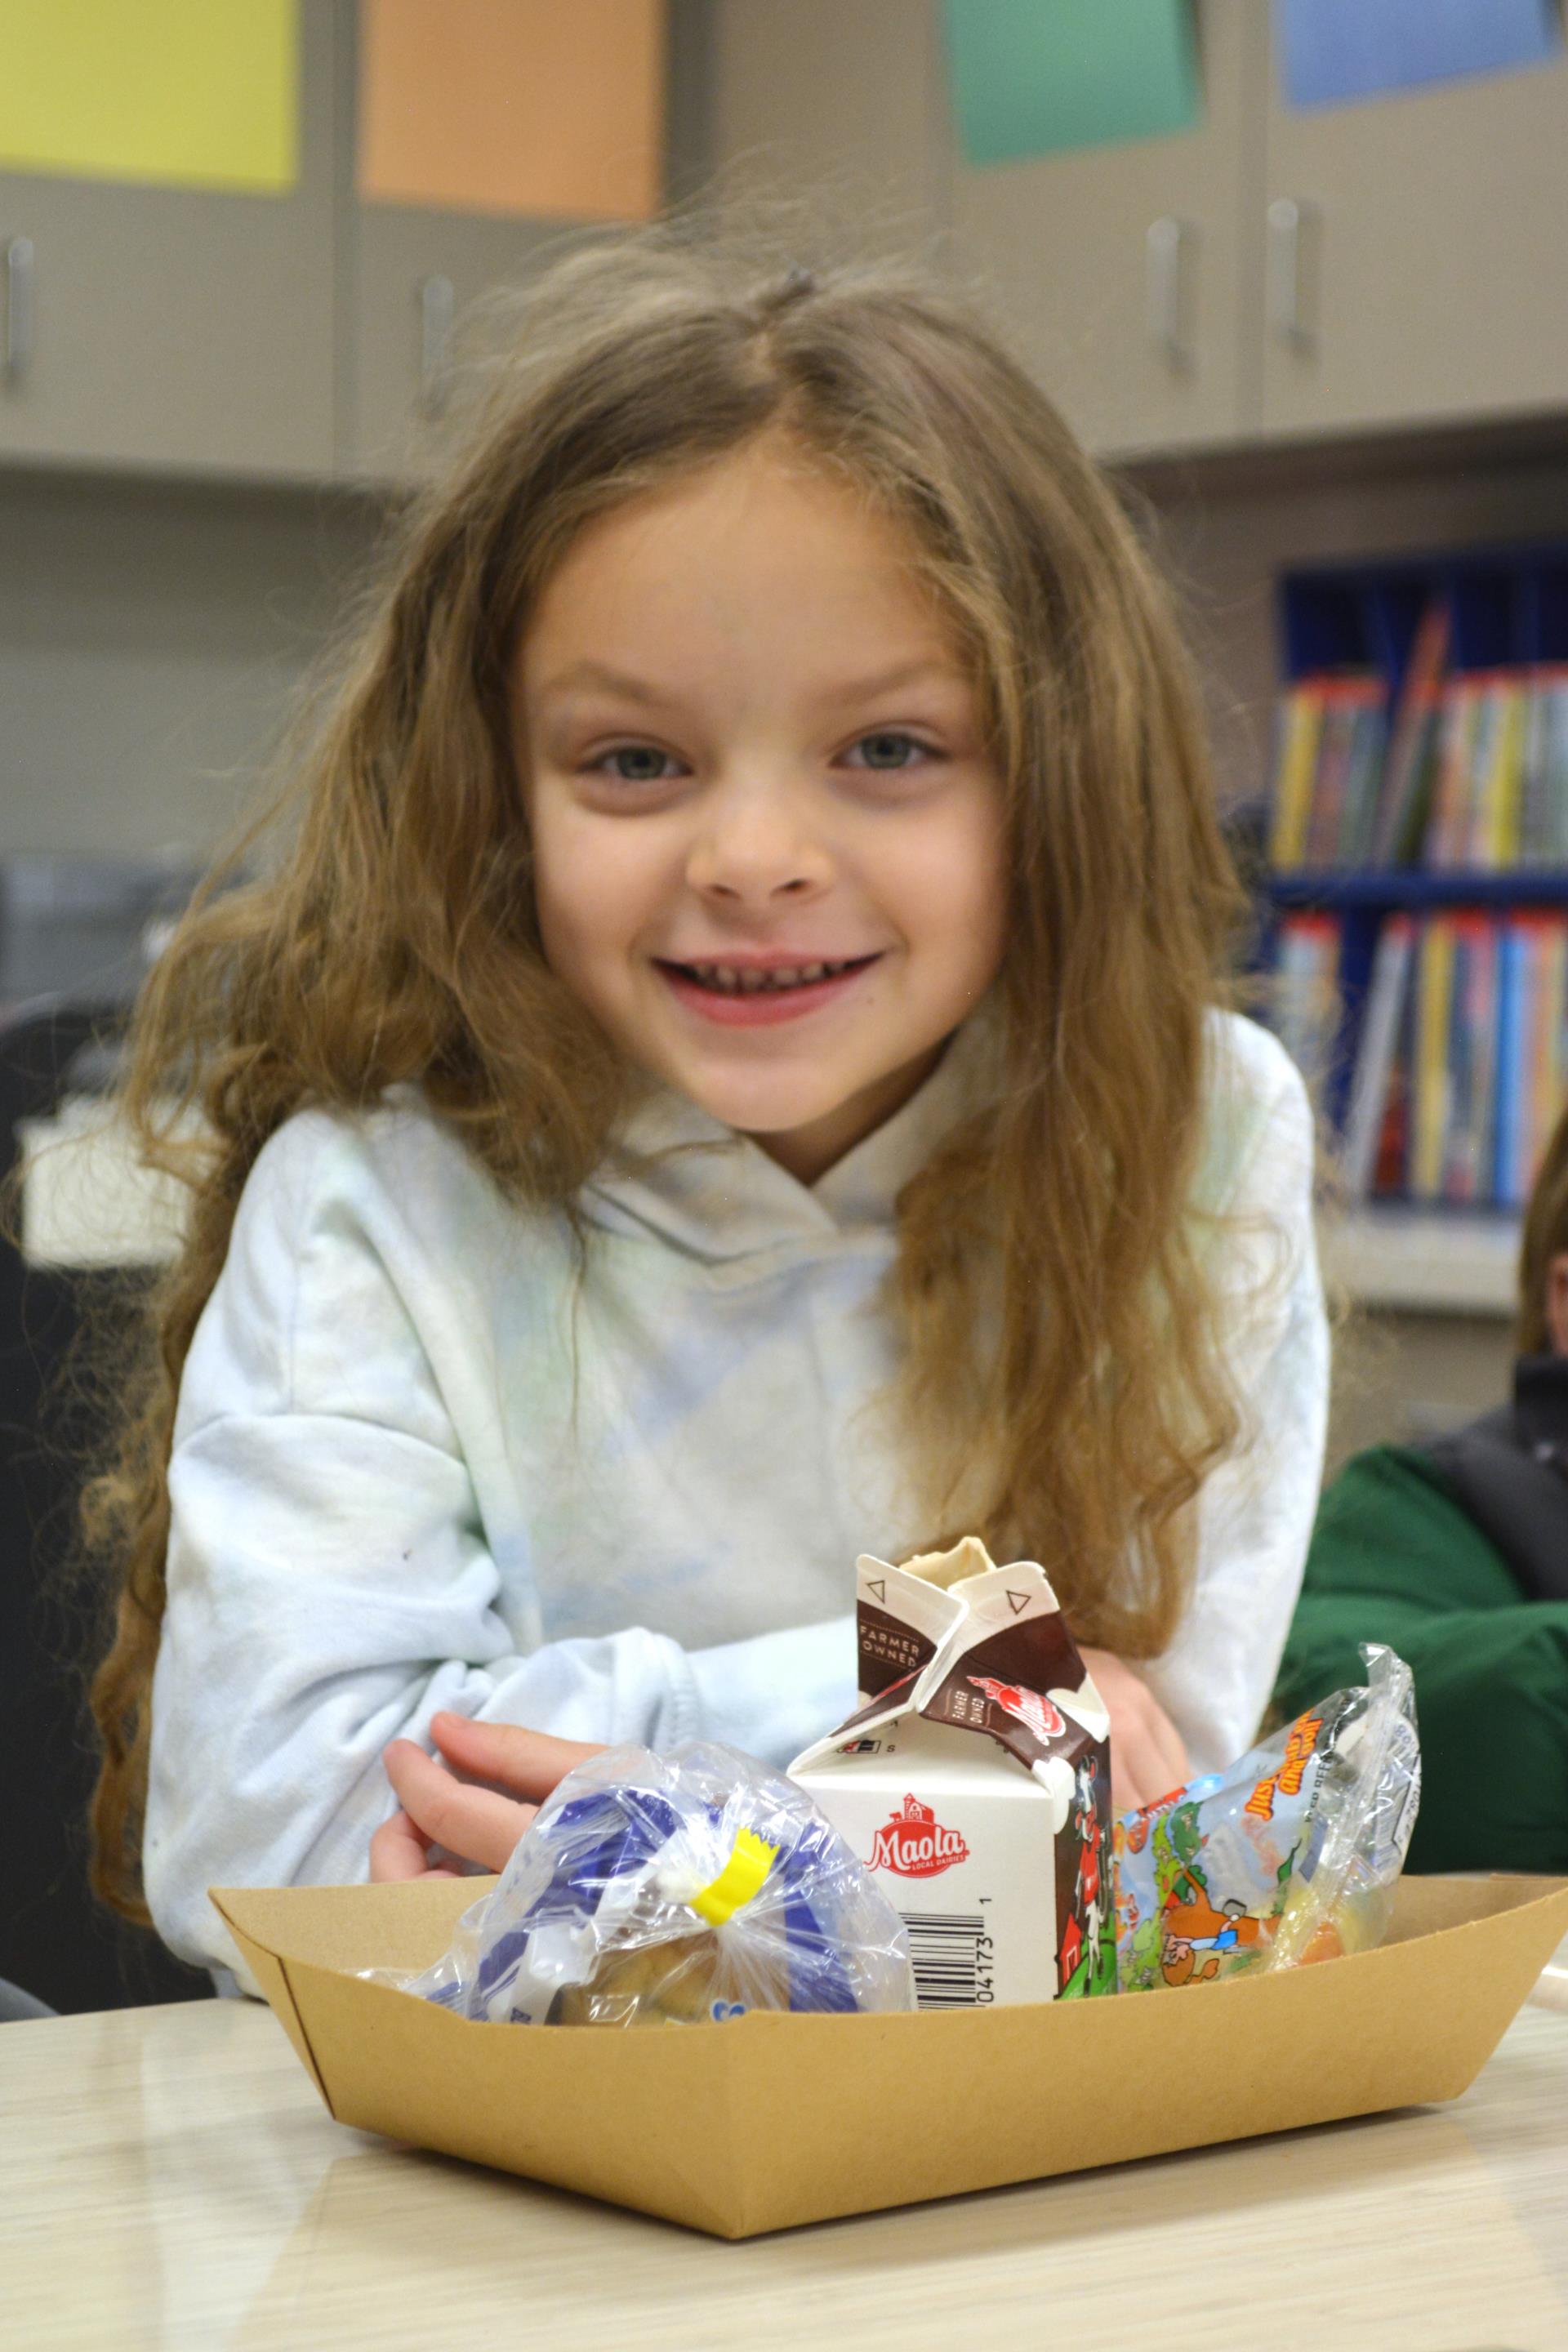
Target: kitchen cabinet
<point>186,328</point>
<point>1270,275</point>
<point>411,277</point>
<point>1416,255</point>
<point>1120,273</point>
<point>415,278</point>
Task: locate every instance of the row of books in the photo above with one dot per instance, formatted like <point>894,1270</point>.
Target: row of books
<point>1460,1068</point>
<point>1471,772</point>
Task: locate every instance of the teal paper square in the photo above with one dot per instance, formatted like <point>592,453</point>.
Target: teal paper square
<point>1037,77</point>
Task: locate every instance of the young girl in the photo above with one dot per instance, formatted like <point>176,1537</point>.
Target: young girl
<point>728,1074</point>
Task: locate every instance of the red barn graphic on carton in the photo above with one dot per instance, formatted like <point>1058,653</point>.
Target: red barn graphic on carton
<point>974,1780</point>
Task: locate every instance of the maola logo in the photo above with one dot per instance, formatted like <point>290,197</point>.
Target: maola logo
<point>915,1845</point>
<point>1036,1714</point>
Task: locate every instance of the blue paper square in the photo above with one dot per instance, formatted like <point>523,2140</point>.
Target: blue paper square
<point>1336,50</point>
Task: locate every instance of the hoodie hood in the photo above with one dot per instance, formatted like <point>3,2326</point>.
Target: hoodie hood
<point>675,1174</point>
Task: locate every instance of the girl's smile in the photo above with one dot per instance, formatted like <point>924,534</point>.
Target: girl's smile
<point>768,841</point>
<point>751,991</point>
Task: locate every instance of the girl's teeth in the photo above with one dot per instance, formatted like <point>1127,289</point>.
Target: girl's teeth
<point>732,981</point>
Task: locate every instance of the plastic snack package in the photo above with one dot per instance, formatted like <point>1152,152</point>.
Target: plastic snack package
<point>1289,1856</point>
<point>673,1889</point>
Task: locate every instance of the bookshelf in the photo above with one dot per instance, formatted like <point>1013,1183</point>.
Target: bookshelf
<point>1378,890</point>
<point>1412,1261</point>
<point>1415,902</point>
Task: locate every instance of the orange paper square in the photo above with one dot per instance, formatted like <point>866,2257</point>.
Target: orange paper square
<point>551,107</point>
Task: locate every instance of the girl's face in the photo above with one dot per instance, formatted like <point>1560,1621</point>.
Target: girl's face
<point>769,846</point>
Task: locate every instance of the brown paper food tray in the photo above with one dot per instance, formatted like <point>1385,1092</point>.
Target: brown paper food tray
<point>772,2120</point>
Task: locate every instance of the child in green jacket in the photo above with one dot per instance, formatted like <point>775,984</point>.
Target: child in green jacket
<point>1456,1554</point>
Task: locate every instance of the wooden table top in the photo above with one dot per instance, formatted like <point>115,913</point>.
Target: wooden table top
<point>168,2176</point>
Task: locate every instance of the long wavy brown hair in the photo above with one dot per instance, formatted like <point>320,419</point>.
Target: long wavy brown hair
<point>392,936</point>
<point>1545,1237</point>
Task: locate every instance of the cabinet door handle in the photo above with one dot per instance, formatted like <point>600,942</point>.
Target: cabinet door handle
<point>437,304</point>
<point>1291,222</point>
<point>17,348</point>
<point>1164,251</point>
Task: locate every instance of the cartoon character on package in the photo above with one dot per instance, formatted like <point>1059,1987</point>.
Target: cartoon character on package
<point>1291,1856</point>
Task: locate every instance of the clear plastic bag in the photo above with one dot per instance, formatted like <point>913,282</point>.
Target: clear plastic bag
<point>1291,1856</point>
<point>654,1890</point>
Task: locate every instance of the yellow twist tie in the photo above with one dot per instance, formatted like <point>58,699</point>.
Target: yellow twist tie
<point>750,1860</point>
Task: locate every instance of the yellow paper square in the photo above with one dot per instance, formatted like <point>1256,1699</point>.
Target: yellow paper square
<point>197,93</point>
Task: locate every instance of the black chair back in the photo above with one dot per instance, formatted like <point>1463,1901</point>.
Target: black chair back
<point>56,1941</point>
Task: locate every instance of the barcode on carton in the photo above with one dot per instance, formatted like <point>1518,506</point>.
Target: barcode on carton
<point>951,1954</point>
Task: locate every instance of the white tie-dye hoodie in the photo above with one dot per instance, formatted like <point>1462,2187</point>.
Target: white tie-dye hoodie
<point>421,1462</point>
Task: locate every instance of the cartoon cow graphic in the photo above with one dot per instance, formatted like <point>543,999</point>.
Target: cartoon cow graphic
<point>1091,1832</point>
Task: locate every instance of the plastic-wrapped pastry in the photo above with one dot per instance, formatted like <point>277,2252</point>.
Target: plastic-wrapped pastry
<point>676,1889</point>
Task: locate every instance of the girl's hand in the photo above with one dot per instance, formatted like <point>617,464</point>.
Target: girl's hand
<point>475,1824</point>
<point>1147,1758</point>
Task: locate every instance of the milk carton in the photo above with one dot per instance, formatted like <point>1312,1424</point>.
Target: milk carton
<point>974,1780</point>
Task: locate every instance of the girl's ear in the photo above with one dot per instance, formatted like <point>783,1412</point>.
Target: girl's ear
<point>1557,1303</point>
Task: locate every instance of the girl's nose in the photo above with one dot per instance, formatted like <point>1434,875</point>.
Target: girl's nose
<point>751,852</point>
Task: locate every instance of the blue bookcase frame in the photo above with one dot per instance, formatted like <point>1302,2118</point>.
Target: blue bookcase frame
<point>1509,609</point>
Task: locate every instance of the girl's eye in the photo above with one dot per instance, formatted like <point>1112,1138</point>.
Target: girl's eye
<point>889,750</point>
<point>633,763</point>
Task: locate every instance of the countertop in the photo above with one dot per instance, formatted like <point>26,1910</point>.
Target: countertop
<point>168,2176</point>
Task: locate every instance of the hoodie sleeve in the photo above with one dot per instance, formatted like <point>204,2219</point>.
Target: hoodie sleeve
<point>1256,1510</point>
<point>330,1586</point>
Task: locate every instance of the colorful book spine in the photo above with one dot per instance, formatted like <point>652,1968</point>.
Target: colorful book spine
<point>1382,1022</point>
<point>1405,789</point>
<point>1548,1066</point>
<point>1305,991</point>
<point>1328,782</point>
<point>1431,1086</point>
<point>1299,731</point>
<point>1543,815</point>
<point>1555,819</point>
<point>1494,783</point>
<point>1509,1151</point>
<point>1463,703</point>
<point>1468,1151</point>
<point>1366,717</point>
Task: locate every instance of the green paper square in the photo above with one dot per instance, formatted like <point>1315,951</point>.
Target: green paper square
<point>1037,77</point>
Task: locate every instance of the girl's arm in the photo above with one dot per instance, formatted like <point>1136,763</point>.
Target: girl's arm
<point>1255,1511</point>
<point>330,1589</point>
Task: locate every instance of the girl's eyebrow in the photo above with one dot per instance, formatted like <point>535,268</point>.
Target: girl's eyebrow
<point>909,672</point>
<point>599,675</point>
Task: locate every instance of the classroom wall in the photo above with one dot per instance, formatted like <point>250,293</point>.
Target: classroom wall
<point>1400,1379</point>
<point>152,635</point>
